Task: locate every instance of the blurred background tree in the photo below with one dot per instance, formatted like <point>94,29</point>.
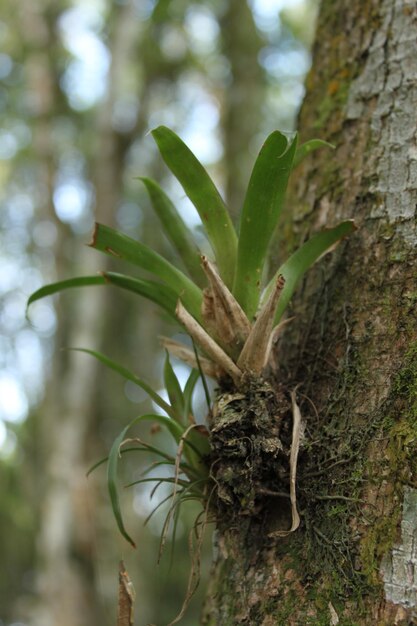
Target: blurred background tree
<point>81,83</point>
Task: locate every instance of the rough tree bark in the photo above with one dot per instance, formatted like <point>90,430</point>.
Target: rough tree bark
<point>352,348</point>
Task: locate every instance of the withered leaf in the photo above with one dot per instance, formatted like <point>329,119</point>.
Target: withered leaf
<point>126,598</point>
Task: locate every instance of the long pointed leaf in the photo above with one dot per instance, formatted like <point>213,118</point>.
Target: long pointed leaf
<point>204,195</point>
<point>123,371</point>
<point>49,290</point>
<point>304,258</point>
<point>117,244</point>
<point>260,213</point>
<point>161,294</point>
<point>175,229</point>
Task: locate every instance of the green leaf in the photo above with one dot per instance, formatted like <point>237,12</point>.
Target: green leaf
<point>199,441</point>
<point>140,481</point>
<point>159,293</point>
<point>188,393</point>
<point>204,195</point>
<point>260,213</point>
<point>117,244</point>
<point>304,258</point>
<point>308,147</point>
<point>49,290</point>
<point>173,388</point>
<point>177,232</point>
<point>128,375</point>
<point>105,459</point>
<point>113,463</point>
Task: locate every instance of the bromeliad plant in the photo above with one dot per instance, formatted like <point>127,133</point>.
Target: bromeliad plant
<point>233,317</point>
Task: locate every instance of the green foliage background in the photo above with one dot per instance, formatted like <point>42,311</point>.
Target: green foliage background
<point>73,141</point>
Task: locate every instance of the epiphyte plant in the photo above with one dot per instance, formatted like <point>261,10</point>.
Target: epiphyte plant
<point>233,317</point>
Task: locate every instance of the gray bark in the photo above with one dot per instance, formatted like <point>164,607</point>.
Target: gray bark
<point>352,348</point>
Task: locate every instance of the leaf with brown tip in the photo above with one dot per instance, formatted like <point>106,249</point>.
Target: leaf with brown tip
<point>230,322</point>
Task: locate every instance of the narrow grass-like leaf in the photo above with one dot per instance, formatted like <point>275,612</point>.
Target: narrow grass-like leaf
<point>260,213</point>
<point>113,462</point>
<point>203,379</point>
<point>173,388</point>
<point>123,371</point>
<point>303,258</point>
<point>308,147</point>
<point>175,229</point>
<point>164,479</point>
<point>117,244</point>
<point>185,468</point>
<point>49,290</point>
<point>204,195</point>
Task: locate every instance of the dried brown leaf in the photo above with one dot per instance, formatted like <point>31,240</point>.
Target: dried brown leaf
<point>295,447</point>
<point>231,325</point>
<point>208,345</point>
<point>186,355</point>
<point>126,598</point>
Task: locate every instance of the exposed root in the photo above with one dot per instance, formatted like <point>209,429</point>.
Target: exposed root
<point>255,442</point>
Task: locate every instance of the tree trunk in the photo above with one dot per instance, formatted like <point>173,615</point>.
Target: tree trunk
<point>65,582</point>
<point>352,349</point>
<point>242,113</point>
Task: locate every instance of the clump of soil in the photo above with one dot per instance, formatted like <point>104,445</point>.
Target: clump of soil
<point>251,442</point>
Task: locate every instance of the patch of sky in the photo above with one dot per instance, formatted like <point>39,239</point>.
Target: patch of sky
<point>12,314</point>
<point>145,8</point>
<point>173,43</point>
<point>43,318</point>
<point>85,79</point>
<point>13,400</point>
<point>266,12</point>
<point>183,204</point>
<point>29,359</point>
<point>9,273</point>
<point>202,121</point>
<point>72,200</point>
<point>19,209</point>
<point>8,145</point>
<point>202,29</point>
<point>281,64</point>
<point>6,65</point>
<point>3,433</point>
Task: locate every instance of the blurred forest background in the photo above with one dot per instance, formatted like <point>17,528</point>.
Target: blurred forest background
<point>81,84</point>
